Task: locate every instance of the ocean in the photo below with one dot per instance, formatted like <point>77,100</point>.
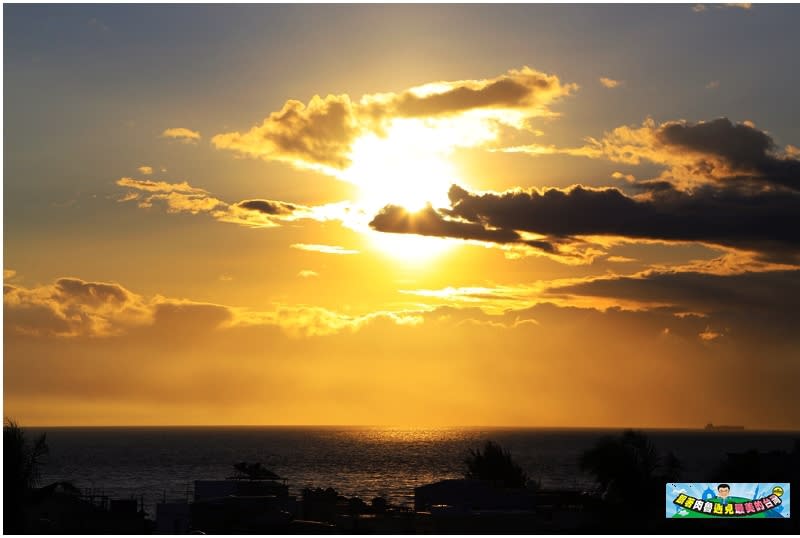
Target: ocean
<point>156,463</point>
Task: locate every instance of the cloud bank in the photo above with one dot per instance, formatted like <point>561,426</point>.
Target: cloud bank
<point>694,154</point>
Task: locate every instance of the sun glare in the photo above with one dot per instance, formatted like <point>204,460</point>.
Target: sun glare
<point>408,166</point>
<point>411,249</point>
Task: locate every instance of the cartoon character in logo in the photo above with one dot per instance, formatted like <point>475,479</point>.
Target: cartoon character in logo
<point>724,496</point>
<point>723,491</point>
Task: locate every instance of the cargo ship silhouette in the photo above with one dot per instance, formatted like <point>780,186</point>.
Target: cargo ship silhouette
<point>723,427</point>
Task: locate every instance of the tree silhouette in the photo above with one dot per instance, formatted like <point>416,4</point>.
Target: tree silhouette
<point>494,463</point>
<point>628,468</point>
<point>22,463</point>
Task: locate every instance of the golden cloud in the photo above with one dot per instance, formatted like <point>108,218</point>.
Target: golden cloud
<point>610,82</point>
<point>317,134</point>
<point>184,198</point>
<point>320,135</point>
<point>158,186</point>
<point>324,249</point>
<point>299,321</point>
<point>72,307</point>
<point>709,335</point>
<point>181,133</point>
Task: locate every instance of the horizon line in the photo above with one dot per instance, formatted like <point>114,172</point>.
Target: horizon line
<point>416,427</point>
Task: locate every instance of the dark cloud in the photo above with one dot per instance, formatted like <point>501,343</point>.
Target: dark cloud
<point>517,89</point>
<point>743,148</point>
<point>552,211</point>
<point>706,152</point>
<point>772,293</point>
<point>268,207</point>
<point>758,309</point>
<point>733,217</point>
<point>395,219</point>
<point>502,92</point>
<point>742,145</point>
<point>726,184</point>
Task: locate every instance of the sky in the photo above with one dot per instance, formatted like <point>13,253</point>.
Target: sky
<point>517,215</point>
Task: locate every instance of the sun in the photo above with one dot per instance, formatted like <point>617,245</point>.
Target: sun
<point>409,166</point>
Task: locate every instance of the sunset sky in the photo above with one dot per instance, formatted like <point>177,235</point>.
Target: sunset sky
<point>520,215</point>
